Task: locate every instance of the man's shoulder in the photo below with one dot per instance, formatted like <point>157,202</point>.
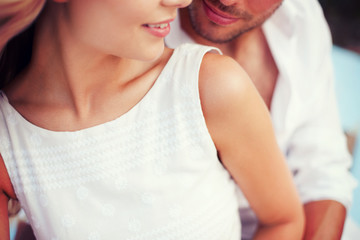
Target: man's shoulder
<point>302,7</point>
<point>299,28</point>
<point>305,14</point>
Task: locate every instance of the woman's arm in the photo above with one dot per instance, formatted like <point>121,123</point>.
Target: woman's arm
<point>6,192</point>
<point>241,129</point>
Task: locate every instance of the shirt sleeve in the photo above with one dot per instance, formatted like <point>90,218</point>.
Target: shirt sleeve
<point>317,151</point>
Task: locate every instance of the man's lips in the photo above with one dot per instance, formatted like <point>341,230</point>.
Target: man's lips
<point>217,16</point>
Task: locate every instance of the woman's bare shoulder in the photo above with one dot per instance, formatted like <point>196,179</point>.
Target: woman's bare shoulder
<point>223,82</point>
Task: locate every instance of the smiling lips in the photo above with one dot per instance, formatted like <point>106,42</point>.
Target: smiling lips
<point>162,29</point>
<point>218,16</point>
<point>158,29</point>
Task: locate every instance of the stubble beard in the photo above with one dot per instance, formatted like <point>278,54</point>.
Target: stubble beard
<point>219,34</point>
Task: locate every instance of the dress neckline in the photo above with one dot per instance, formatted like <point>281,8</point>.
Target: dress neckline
<point>163,74</point>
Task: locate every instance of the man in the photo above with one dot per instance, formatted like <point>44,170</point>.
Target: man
<point>285,47</point>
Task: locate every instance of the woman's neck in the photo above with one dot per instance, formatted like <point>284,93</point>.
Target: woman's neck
<point>63,65</point>
<point>69,79</point>
<point>80,69</point>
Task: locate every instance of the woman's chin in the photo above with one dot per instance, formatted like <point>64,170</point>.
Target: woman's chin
<point>153,53</point>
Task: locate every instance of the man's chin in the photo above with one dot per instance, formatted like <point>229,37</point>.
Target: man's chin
<point>219,37</point>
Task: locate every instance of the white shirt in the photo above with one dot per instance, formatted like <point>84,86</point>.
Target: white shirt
<point>303,108</point>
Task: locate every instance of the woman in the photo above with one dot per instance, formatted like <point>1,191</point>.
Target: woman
<point>110,135</point>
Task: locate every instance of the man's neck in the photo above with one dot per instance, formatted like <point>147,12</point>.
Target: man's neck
<point>241,48</point>
<point>251,51</point>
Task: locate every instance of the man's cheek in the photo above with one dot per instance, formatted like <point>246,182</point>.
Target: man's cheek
<point>260,6</point>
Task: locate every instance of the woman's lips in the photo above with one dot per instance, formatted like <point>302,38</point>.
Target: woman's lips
<point>217,16</point>
<point>158,29</point>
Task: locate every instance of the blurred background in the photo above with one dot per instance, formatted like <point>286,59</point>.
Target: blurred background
<point>343,17</point>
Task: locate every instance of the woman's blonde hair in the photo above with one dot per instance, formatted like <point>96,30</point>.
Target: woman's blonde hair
<point>16,35</point>
<point>16,15</point>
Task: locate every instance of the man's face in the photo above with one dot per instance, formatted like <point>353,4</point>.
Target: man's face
<point>221,21</point>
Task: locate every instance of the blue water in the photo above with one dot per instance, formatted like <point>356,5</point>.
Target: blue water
<point>347,86</point>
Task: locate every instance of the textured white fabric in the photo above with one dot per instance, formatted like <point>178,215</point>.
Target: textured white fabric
<point>152,173</point>
<point>303,108</point>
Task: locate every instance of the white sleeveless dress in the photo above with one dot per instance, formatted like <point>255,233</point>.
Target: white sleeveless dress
<point>152,173</point>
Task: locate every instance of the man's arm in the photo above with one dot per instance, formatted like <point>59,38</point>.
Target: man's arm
<point>4,221</point>
<point>318,153</point>
<point>324,220</point>
<point>6,191</point>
